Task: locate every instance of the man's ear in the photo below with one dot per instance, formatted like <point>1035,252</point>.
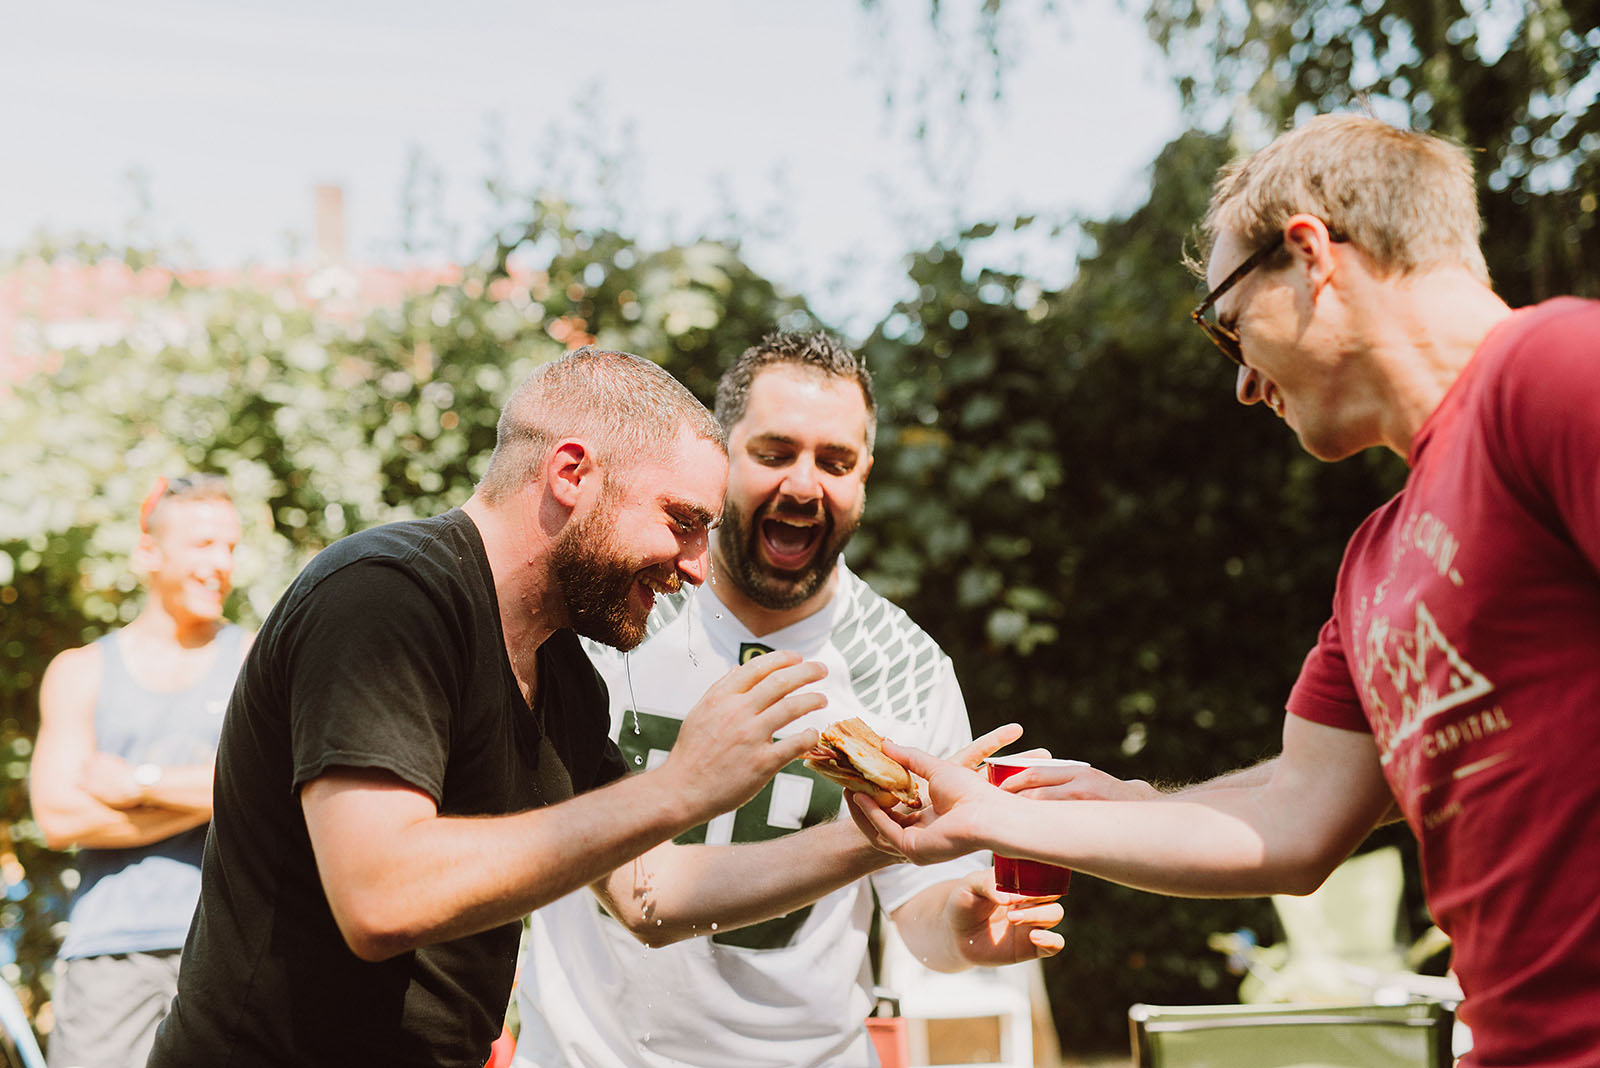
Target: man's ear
<point>146,557</point>
<point>569,465</point>
<point>1308,240</point>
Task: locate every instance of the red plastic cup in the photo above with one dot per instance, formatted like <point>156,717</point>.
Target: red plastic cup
<point>1019,876</point>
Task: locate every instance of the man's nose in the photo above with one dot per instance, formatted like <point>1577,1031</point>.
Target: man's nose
<point>695,562</point>
<point>1247,387</point>
<point>801,481</point>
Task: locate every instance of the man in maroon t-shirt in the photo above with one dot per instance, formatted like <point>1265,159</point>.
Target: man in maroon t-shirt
<point>1459,675</point>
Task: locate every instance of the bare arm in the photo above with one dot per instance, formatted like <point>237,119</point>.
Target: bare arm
<point>1083,783</point>
<point>182,788</point>
<point>1281,835</point>
<point>398,875</point>
<point>64,804</point>
<point>675,892</point>
<point>964,922</point>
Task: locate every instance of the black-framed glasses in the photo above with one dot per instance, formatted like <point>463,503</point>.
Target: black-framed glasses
<point>1226,338</point>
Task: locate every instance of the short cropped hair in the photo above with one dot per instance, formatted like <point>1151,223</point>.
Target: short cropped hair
<point>817,351</point>
<point>625,405</point>
<point>1405,198</point>
<point>181,489</point>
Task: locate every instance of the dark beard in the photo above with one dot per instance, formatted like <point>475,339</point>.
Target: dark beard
<point>596,586</point>
<point>736,541</point>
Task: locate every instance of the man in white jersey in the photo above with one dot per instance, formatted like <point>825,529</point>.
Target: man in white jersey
<point>791,991</point>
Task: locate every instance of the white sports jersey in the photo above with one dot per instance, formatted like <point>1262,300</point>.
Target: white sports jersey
<point>788,992</point>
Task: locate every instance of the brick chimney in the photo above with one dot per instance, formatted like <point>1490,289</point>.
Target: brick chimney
<point>330,224</point>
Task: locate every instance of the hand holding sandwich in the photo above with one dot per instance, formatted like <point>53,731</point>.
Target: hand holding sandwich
<point>959,798</point>
<point>889,802</point>
<point>959,923</point>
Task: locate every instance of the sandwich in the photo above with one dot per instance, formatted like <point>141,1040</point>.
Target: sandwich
<point>851,754</point>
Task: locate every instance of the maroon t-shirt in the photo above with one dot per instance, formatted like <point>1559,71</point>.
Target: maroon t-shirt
<point>1466,638</point>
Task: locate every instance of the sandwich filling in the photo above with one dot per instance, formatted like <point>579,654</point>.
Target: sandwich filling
<point>851,754</point>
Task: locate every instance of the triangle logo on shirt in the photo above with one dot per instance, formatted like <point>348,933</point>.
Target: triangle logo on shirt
<point>748,651</point>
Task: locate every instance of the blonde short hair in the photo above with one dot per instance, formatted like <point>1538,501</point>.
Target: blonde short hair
<point>626,405</point>
<point>1405,198</point>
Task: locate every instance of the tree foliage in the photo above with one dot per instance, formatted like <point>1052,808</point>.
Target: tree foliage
<point>1514,80</point>
<point>324,423</point>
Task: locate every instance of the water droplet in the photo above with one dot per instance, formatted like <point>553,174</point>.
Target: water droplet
<point>638,760</point>
<point>658,923</point>
<point>713,927</point>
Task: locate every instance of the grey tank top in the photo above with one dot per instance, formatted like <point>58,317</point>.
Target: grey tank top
<point>141,899</point>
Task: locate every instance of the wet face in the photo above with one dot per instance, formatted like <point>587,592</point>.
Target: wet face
<point>796,485</point>
<point>189,557</point>
<point>646,534</point>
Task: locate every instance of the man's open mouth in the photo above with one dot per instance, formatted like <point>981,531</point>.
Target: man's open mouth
<point>789,543</point>
<point>665,586</point>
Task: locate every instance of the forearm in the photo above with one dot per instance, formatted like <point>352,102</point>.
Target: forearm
<point>1255,775</point>
<point>926,927</point>
<point>1237,842</point>
<point>440,878</point>
<point>185,788</point>
<point>677,892</point>
<point>91,825</point>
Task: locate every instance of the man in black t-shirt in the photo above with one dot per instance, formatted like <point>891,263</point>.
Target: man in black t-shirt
<point>409,758</point>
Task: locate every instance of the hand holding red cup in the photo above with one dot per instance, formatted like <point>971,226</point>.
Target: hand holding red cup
<point>1014,875</point>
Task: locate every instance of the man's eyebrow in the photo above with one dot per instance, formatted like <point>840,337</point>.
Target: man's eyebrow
<point>785,439</point>
<point>690,510</point>
<point>772,439</point>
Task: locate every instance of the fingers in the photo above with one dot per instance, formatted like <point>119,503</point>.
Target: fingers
<point>774,693</point>
<point>915,759</point>
<point>1048,943</point>
<point>1043,915</point>
<point>975,752</point>
<point>777,672</point>
<point>795,746</point>
<point>1077,776</point>
<point>1078,783</point>
<point>882,824</point>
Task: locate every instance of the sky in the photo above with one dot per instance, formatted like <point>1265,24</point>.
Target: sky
<point>204,128</point>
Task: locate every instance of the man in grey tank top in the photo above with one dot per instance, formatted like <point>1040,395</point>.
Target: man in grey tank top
<point>122,770</point>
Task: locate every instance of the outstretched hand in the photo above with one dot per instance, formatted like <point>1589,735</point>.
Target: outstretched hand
<point>970,756</point>
<point>1077,782</point>
<point>941,829</point>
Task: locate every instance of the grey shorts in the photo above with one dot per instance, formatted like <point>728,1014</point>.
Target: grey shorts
<point>107,1008</point>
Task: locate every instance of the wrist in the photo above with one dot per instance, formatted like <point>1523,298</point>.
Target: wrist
<point>978,826</point>
<point>861,853</point>
<point>146,777</point>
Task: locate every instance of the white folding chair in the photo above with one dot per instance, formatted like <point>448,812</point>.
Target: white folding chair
<point>983,1012</point>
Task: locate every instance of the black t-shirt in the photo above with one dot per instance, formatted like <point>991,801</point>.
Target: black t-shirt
<point>386,652</point>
